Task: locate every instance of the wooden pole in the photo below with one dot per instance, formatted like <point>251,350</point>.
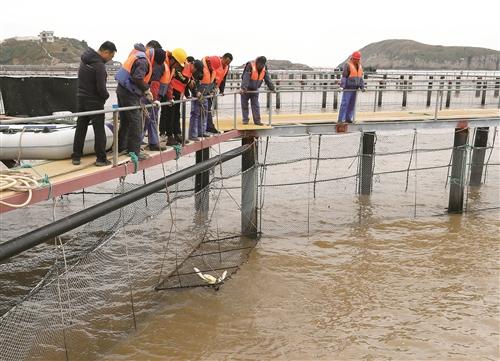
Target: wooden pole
<point>201,198</point>
<point>323,99</point>
<point>381,86</point>
<point>448,95</point>
<point>405,92</point>
<point>367,159</point>
<point>457,180</point>
<point>478,154</point>
<point>483,96</point>
<point>278,96</point>
<point>478,86</point>
<point>249,188</point>
<point>429,91</point>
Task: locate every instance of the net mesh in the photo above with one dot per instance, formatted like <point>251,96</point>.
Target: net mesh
<point>72,296</point>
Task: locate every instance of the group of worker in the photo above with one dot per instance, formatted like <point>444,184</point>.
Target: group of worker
<point>152,75</point>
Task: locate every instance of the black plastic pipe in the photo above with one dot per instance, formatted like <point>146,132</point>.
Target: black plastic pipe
<point>29,240</point>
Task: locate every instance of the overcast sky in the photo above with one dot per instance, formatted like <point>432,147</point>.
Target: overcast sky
<point>317,33</point>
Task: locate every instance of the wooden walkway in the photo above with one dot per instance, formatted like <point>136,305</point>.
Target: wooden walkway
<point>65,177</point>
<point>385,116</point>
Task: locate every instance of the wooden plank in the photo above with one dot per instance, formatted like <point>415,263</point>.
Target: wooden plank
<point>278,119</point>
<point>64,178</point>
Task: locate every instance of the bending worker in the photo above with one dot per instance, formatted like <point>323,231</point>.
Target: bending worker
<point>199,107</point>
<point>170,114</point>
<point>255,72</point>
<point>158,84</point>
<point>352,80</point>
<point>133,83</point>
<point>220,81</point>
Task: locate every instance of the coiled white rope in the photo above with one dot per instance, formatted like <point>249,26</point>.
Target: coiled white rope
<point>17,181</point>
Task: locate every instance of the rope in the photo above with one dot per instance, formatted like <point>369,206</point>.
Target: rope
<point>17,181</point>
<point>309,187</point>
<point>491,151</point>
<point>411,158</point>
<point>263,181</point>
<point>127,258</point>
<point>416,182</point>
<point>317,166</point>
<point>135,160</point>
<point>178,151</point>
<point>173,227</point>
<point>58,240</point>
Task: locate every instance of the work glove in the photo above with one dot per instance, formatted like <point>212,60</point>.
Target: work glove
<point>148,95</point>
<point>157,104</point>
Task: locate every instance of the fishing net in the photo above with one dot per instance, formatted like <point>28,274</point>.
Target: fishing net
<point>70,298</point>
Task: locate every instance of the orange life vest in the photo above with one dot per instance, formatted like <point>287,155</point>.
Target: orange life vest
<point>159,87</point>
<point>353,72</point>
<point>187,72</point>
<point>220,74</point>
<point>208,76</point>
<point>123,75</point>
<point>136,54</point>
<point>355,78</point>
<point>255,73</point>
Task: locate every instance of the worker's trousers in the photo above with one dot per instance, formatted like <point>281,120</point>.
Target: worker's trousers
<point>97,120</point>
<point>150,126</point>
<point>198,120</point>
<point>347,105</point>
<point>130,132</point>
<point>254,101</point>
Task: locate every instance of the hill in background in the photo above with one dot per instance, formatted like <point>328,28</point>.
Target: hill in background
<point>386,54</point>
<point>409,54</point>
<point>283,65</point>
<point>25,52</point>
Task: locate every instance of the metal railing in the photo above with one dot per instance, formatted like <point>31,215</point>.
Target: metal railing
<point>336,90</point>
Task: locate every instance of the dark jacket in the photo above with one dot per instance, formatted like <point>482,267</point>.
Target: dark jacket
<point>139,69</point>
<point>92,77</point>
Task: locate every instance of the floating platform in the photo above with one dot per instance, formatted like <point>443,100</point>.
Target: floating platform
<point>65,177</point>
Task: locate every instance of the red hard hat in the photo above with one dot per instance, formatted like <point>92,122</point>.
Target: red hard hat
<point>356,55</point>
<point>215,62</point>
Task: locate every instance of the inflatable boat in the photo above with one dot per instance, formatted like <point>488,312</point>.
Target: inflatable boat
<point>47,141</point>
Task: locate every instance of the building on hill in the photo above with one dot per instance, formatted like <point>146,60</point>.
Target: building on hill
<point>46,36</point>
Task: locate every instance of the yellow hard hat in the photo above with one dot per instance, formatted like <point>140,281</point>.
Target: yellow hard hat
<point>180,55</point>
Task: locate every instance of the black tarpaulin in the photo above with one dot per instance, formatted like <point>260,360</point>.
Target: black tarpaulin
<point>36,96</point>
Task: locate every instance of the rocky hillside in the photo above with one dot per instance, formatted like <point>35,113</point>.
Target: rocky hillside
<point>283,65</point>
<point>61,51</point>
<point>409,54</point>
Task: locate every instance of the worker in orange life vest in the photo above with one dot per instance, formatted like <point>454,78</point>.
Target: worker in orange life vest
<point>180,77</point>
<point>199,107</point>
<point>352,80</point>
<point>220,82</point>
<point>158,84</point>
<point>254,74</point>
<point>133,83</point>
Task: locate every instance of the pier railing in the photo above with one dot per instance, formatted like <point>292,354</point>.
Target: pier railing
<point>433,95</point>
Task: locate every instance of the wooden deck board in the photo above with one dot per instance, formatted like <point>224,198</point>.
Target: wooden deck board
<point>277,119</point>
<point>65,177</point>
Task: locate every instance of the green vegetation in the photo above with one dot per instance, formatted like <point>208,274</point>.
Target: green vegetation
<point>61,51</point>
